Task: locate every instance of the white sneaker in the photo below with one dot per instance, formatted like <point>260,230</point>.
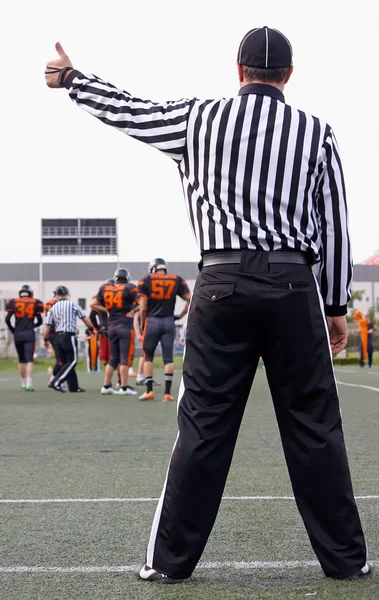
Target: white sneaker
<point>128,392</point>
<point>106,391</point>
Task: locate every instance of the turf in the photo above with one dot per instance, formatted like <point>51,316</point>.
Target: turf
<point>85,446</point>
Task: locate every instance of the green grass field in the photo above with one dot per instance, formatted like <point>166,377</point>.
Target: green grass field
<point>81,474</point>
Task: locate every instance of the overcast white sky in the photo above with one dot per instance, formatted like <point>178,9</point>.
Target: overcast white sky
<point>58,161</point>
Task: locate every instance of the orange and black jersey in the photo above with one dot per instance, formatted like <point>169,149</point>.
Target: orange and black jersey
<point>25,310</point>
<point>161,291</point>
<point>118,300</point>
<point>48,305</point>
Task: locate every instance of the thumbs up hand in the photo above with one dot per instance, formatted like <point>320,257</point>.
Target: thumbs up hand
<point>55,66</point>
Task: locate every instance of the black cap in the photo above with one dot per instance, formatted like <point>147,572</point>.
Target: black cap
<point>265,48</point>
<point>61,290</point>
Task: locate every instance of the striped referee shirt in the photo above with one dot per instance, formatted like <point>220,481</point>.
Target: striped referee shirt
<point>256,173</point>
<point>62,316</point>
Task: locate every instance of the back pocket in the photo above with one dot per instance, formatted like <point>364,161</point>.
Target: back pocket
<point>216,291</point>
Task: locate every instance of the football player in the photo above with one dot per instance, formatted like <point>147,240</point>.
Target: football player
<point>119,302</point>
<point>27,312</point>
<point>158,291</point>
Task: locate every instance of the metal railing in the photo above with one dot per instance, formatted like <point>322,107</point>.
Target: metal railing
<point>59,231</point>
<point>97,231</point>
<point>84,249</point>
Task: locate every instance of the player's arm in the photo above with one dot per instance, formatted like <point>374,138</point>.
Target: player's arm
<point>162,125</point>
<point>37,321</point>
<point>142,310</point>
<point>81,314</point>
<point>335,271</point>
<point>87,322</point>
<point>93,318</point>
<point>185,308</point>
<point>136,323</point>
<point>9,322</point>
<point>46,333</point>
<point>48,327</point>
<point>97,303</point>
<point>185,294</point>
<point>10,313</point>
<point>96,306</point>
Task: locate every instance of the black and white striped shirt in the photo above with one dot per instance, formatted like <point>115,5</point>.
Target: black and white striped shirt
<point>62,316</point>
<point>256,173</point>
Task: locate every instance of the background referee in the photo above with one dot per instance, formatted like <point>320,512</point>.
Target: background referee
<point>266,197</point>
<point>62,317</point>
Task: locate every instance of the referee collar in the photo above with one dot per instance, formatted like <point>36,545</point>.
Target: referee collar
<point>263,89</point>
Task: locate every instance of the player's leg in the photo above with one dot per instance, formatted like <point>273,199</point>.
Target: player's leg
<point>167,343</point>
<point>29,360</point>
<point>149,343</point>
<point>140,376</point>
<point>222,353</point>
<point>60,359</point>
<point>126,355</point>
<point>113,362</point>
<point>300,374</point>
<point>370,353</point>
<point>21,362</point>
<point>131,371</point>
<point>68,351</point>
<point>361,355</point>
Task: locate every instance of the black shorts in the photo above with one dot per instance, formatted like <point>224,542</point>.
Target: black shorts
<point>159,329</point>
<point>121,339</point>
<point>25,351</point>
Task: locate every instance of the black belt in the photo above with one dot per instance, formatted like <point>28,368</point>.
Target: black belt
<point>274,256</point>
<point>63,332</point>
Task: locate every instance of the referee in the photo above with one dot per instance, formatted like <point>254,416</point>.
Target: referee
<point>266,198</point>
<point>62,318</point>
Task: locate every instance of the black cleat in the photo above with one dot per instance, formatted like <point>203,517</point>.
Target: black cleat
<point>56,388</point>
<point>365,571</point>
<point>79,390</point>
<point>147,574</point>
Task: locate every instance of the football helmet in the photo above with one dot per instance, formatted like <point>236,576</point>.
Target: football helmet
<point>25,290</point>
<point>121,276</point>
<point>157,263</point>
<point>110,281</point>
<point>61,290</point>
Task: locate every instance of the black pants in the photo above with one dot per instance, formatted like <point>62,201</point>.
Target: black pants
<point>239,313</point>
<point>370,354</point>
<point>66,352</point>
<point>57,366</point>
<point>159,329</point>
<point>121,338</point>
<point>25,350</point>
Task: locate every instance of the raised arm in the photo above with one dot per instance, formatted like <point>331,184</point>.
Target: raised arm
<point>162,125</point>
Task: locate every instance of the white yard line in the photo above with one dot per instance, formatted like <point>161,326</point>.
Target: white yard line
<point>243,565</point>
<point>366,387</point>
<point>140,500</point>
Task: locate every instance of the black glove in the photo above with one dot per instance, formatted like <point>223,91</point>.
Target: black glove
<point>176,317</point>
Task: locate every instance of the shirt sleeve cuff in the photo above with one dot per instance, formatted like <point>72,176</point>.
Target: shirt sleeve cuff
<point>335,311</point>
<point>70,78</point>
